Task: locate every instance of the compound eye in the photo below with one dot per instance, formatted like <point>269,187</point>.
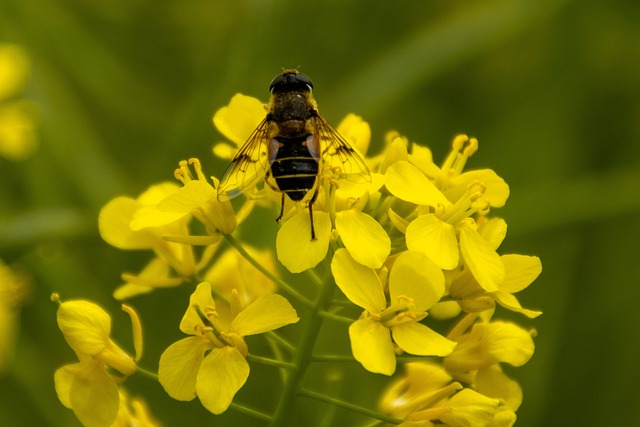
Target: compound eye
<point>277,81</point>
<point>303,78</point>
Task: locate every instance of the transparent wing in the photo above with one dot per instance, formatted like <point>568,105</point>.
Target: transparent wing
<point>338,154</point>
<point>249,166</point>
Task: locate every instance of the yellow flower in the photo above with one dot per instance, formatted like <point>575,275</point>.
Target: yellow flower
<point>415,284</point>
<point>156,274</point>
<point>199,197</point>
<point>422,385</point>
<point>211,363</point>
<point>17,116</point>
<point>520,272</point>
<point>444,228</point>
<point>233,273</point>
<point>236,122</point>
<point>487,344</point>
<point>90,387</point>
<point>128,223</point>
<point>465,408</point>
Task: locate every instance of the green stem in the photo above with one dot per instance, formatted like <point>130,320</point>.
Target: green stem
<point>283,285</point>
<point>333,358</point>
<point>277,339</point>
<point>147,374</point>
<point>350,406</point>
<point>303,356</point>
<point>249,411</point>
<point>270,362</point>
<point>336,317</point>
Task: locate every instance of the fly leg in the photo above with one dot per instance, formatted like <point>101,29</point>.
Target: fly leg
<point>281,209</point>
<point>313,199</point>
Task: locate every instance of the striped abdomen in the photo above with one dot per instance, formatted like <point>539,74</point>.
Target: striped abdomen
<point>294,167</point>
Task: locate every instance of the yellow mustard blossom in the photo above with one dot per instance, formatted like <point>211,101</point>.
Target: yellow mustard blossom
<point>156,274</point>
<point>520,272</point>
<point>444,229</point>
<point>421,386</point>
<point>120,225</point>
<point>17,116</point>
<point>232,273</point>
<point>476,361</point>
<point>426,393</point>
<point>465,408</point>
<point>211,364</point>
<point>415,284</point>
<point>90,387</point>
<point>14,290</point>
<point>199,198</point>
<point>426,396</point>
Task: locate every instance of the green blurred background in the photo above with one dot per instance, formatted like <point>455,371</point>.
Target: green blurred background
<point>551,88</point>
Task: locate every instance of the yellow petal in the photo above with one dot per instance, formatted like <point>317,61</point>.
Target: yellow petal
<point>497,191</point>
<point>364,238</point>
<point>415,276</point>
<point>266,313</point>
<point>294,247</point>
<point>505,342</point>
<point>232,271</point>
<point>493,231</point>
<point>396,151</point>
<point>510,302</point>
<point>470,408</point>
<point>492,382</point>
<point>201,298</point>
<point>485,264</point>
<point>114,223</point>
<point>179,365</point>
<point>237,120</point>
<point>194,193</point>
<point>371,346</point>
<point>520,272</point>
<point>94,397</point>
<point>359,283</point>
<point>85,326</point>
<point>436,239</point>
<point>223,372</point>
<point>356,131</point>
<point>406,182</point>
<point>156,193</point>
<point>416,338</point>
<point>62,378</point>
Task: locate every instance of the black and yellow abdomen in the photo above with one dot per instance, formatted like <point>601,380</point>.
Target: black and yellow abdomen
<point>295,168</point>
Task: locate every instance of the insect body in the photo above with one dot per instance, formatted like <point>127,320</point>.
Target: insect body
<point>292,145</point>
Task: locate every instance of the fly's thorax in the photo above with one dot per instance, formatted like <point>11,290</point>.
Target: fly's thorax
<point>291,106</point>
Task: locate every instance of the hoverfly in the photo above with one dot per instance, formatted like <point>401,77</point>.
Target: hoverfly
<point>292,145</point>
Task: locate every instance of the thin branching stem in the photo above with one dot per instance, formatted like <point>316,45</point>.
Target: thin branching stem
<point>250,411</point>
<point>270,362</point>
<point>350,406</point>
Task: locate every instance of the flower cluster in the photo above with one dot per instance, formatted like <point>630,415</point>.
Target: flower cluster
<point>413,242</point>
